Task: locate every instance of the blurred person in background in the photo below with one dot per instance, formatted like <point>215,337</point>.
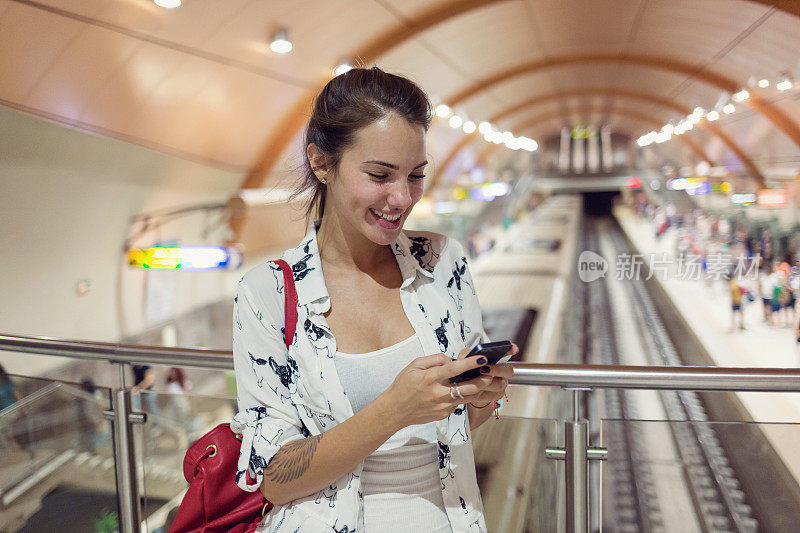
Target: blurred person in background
<point>178,408</point>
<point>765,290</point>
<point>92,426</point>
<point>737,292</point>
<point>143,380</point>
<point>793,283</point>
<point>780,298</point>
<point>9,395</point>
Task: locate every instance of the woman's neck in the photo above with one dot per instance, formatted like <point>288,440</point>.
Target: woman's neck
<point>343,247</point>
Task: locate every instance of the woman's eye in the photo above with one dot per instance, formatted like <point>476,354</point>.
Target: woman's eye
<point>378,176</point>
<point>417,176</point>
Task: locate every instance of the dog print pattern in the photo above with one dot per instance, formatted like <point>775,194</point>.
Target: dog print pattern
<point>441,332</point>
<point>422,250</point>
<point>448,324</point>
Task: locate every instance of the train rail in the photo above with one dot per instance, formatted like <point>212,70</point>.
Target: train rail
<point>720,505</point>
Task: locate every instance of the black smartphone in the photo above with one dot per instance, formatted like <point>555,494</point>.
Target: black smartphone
<point>494,352</point>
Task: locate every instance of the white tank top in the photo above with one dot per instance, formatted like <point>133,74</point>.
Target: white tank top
<point>400,481</point>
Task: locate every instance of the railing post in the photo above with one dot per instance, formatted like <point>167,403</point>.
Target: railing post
<point>125,463</point>
<point>122,417</point>
<point>575,447</point>
<point>576,454</point>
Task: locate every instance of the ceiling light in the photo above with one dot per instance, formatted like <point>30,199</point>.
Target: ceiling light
<point>728,109</point>
<point>699,112</point>
<point>280,42</point>
<point>741,96</point>
<point>456,122</point>
<point>342,68</point>
<point>763,83</point>
<point>484,127</point>
<point>712,116</point>
<point>169,4</point>
<point>469,127</point>
<point>442,110</point>
<point>528,144</point>
<point>785,83</point>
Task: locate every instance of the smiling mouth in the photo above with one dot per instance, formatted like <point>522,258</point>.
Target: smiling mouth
<point>390,218</point>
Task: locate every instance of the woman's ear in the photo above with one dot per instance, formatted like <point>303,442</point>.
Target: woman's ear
<point>318,161</point>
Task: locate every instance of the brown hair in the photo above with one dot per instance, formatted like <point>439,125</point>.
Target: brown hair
<point>346,104</point>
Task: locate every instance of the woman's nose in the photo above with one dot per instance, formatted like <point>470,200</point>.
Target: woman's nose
<point>400,196</point>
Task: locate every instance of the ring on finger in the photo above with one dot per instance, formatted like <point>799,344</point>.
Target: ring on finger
<point>458,393</point>
<point>452,396</point>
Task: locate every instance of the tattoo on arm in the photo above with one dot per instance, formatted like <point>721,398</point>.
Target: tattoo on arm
<point>292,460</point>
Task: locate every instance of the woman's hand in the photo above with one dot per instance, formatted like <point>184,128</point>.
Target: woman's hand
<point>491,384</point>
<point>421,392</point>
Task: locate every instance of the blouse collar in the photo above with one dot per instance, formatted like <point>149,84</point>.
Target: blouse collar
<point>306,265</point>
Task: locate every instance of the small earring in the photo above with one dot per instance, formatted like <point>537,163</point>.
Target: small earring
<point>324,181</point>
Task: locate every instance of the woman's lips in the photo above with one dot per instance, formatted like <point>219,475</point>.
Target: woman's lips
<point>387,224</point>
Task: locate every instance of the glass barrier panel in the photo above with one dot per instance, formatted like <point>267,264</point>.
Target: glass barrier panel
<point>509,450</point>
<point>174,421</point>
<point>687,476</point>
<point>57,461</point>
<point>521,489</point>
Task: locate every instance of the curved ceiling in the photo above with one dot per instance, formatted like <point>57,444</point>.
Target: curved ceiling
<point>665,103</point>
<point>200,83</point>
<point>636,117</point>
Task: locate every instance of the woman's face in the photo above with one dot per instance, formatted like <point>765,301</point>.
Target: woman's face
<point>379,179</point>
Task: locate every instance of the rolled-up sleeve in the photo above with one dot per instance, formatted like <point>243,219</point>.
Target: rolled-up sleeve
<point>267,418</point>
<point>472,307</point>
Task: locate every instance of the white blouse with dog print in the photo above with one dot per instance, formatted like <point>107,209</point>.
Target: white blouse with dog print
<point>288,396</point>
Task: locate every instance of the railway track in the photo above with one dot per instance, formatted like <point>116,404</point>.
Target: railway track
<point>718,502</point>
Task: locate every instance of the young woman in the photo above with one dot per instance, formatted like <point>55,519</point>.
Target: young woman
<point>357,427</point>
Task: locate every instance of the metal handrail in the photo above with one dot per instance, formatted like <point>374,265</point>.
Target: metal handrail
<point>700,378</point>
<point>704,378</point>
<point>119,353</point>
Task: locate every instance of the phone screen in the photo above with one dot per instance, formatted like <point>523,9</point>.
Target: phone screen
<point>494,352</point>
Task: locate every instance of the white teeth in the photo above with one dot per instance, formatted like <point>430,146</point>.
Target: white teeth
<point>386,217</point>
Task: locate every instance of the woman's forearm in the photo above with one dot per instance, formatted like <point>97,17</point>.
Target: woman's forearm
<point>305,466</point>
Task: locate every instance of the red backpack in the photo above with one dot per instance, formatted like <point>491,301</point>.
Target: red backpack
<point>214,503</point>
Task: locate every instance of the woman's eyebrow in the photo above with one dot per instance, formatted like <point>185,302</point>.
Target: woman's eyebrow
<point>394,167</point>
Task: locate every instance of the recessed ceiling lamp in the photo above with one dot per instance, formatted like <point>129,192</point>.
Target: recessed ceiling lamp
<point>728,109</point>
<point>280,42</point>
<point>342,68</point>
<point>456,121</point>
<point>763,83</point>
<point>169,4</point>
<point>469,127</point>
<point>442,110</point>
<point>785,82</point>
<point>484,127</point>
<point>712,116</point>
<point>741,96</point>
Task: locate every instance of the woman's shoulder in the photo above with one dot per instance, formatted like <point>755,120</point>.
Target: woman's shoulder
<point>433,243</point>
<point>431,249</point>
<point>262,285</point>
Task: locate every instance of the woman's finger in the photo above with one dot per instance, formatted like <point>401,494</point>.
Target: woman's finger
<point>431,361</point>
<point>458,366</point>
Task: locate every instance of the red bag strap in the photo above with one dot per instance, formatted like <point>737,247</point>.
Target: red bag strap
<point>290,301</point>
